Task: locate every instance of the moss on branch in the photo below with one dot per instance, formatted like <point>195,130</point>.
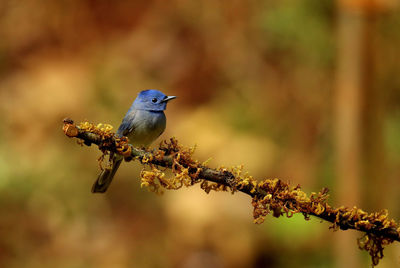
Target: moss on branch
<point>269,196</point>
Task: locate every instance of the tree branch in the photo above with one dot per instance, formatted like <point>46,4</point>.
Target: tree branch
<point>268,196</point>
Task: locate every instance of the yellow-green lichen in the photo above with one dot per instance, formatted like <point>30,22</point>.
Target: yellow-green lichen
<point>269,196</point>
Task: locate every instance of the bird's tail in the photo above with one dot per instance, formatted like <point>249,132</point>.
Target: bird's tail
<point>106,176</point>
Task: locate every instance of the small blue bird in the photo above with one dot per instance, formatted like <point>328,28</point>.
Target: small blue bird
<point>142,124</point>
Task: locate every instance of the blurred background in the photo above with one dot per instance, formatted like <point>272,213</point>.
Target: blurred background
<point>302,90</point>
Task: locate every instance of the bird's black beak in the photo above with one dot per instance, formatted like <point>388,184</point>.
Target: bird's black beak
<point>168,98</point>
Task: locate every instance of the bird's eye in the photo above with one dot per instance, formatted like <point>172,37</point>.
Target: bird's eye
<point>154,100</point>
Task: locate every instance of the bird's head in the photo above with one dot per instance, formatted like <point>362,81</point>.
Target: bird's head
<point>151,100</point>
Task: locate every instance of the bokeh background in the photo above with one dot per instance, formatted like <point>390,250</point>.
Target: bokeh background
<point>303,90</point>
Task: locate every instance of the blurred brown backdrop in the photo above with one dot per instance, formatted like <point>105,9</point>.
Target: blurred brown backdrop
<point>302,90</point>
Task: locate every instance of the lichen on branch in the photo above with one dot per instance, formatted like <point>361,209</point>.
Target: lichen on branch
<point>269,196</point>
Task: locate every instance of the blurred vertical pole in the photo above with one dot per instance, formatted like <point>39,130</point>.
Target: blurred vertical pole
<point>348,126</point>
<point>374,176</point>
<point>358,137</point>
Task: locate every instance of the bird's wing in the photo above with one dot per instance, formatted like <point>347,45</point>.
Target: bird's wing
<point>127,124</point>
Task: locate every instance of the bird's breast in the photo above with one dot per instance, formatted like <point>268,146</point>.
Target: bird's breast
<point>148,126</point>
